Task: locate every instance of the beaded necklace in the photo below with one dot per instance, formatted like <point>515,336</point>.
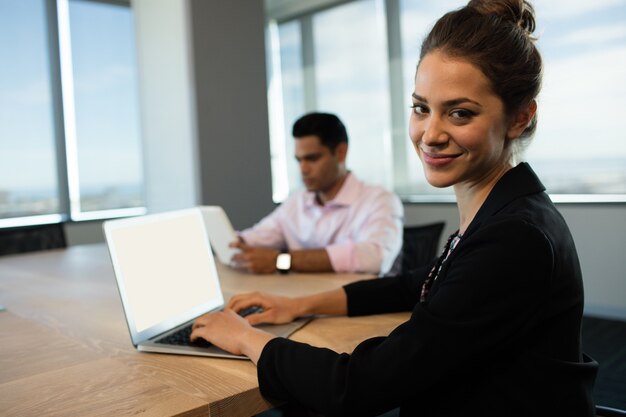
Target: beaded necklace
<point>453,240</point>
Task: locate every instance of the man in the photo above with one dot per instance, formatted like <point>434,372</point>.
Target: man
<point>338,224</point>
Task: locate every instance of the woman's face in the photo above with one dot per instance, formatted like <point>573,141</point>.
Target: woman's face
<point>458,125</point>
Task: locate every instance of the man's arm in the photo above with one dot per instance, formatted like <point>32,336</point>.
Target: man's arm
<point>311,260</point>
<point>376,241</point>
<point>267,232</point>
<point>263,260</point>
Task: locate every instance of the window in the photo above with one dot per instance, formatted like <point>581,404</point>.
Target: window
<point>291,98</point>
<point>69,122</point>
<point>28,166</point>
<point>343,70</point>
<point>351,76</point>
<point>108,171</point>
<point>580,144</point>
<point>351,49</point>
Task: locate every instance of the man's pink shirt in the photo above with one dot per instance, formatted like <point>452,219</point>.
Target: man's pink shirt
<point>361,228</point>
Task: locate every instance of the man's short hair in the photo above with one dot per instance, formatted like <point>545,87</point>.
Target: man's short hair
<point>326,126</point>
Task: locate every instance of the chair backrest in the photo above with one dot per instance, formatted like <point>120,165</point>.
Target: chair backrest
<point>602,411</point>
<point>31,238</point>
<point>419,246</point>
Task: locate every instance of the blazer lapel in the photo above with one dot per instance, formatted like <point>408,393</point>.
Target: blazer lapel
<point>517,182</point>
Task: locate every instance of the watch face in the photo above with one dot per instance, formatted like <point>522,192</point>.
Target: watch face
<point>283,262</point>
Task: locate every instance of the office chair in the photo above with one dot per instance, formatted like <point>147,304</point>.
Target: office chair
<point>32,238</point>
<point>602,411</point>
<point>419,247</point>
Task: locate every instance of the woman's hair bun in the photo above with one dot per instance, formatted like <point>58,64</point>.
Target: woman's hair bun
<point>496,37</point>
<point>519,12</point>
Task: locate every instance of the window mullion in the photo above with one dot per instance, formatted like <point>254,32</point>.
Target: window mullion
<point>308,64</point>
<point>397,94</point>
<point>69,111</point>
<point>57,107</point>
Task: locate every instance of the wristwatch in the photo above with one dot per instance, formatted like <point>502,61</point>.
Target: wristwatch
<point>283,262</point>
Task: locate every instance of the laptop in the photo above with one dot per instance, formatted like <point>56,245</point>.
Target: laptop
<point>221,233</point>
<point>166,276</point>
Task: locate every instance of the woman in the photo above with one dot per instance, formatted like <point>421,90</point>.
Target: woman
<point>495,324</point>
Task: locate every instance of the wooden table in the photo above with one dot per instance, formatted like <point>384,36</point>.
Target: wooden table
<point>65,348</point>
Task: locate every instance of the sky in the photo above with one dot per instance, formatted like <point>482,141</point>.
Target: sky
<point>105,87</point>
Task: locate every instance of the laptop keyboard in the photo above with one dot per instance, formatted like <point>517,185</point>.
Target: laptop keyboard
<point>181,337</point>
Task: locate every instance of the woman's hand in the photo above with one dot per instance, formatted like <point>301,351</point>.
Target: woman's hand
<point>224,329</point>
<point>276,309</point>
<point>231,332</point>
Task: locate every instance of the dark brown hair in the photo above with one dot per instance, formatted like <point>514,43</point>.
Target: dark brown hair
<point>495,36</point>
<point>325,126</point>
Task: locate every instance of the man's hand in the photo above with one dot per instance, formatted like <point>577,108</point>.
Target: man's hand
<point>255,259</point>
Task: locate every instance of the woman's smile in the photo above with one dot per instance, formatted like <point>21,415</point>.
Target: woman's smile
<point>438,160</point>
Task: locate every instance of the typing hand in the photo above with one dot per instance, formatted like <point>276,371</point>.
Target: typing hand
<point>274,309</point>
<point>224,329</point>
<point>231,332</point>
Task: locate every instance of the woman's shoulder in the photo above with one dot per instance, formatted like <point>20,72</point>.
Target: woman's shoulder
<point>511,232</point>
<point>535,214</point>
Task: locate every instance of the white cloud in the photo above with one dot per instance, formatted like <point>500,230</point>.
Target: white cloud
<point>103,80</point>
<point>581,106</point>
<point>566,9</point>
<point>593,35</point>
<point>34,93</point>
<point>33,170</point>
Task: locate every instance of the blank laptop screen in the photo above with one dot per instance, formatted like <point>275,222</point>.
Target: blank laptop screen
<point>165,267</point>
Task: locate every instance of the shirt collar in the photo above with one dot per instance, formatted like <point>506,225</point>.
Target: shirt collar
<point>348,193</point>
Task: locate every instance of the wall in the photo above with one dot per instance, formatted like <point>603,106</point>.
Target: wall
<point>167,103</point>
<point>84,233</point>
<point>599,231</point>
<point>231,102</point>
